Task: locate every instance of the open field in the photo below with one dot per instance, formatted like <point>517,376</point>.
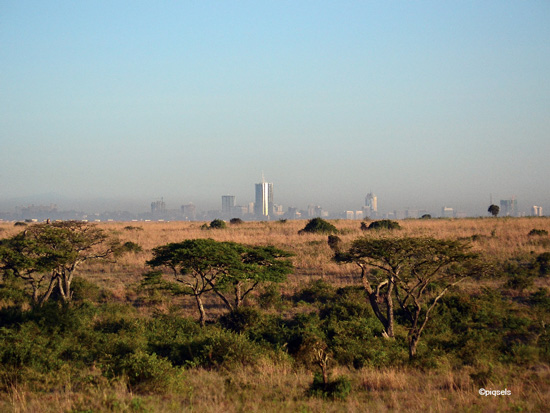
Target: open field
<point>489,333</point>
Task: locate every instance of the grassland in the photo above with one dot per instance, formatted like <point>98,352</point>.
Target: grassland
<point>491,333</point>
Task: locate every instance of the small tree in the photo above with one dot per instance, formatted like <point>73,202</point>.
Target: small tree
<point>493,210</point>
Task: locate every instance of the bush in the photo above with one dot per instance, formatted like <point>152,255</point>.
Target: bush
<point>335,243</point>
<point>543,262</point>
<point>148,373</point>
<point>538,233</point>
<point>384,224</point>
<point>317,291</point>
<point>130,246</point>
<point>339,388</point>
<point>318,226</point>
<point>218,224</point>
<point>235,221</point>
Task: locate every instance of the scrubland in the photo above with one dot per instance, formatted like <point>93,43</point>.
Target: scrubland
<point>123,347</point>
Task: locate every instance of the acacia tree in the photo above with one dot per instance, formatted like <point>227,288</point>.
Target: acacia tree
<point>205,265</point>
<point>51,253</point>
<point>256,264</point>
<point>417,272</point>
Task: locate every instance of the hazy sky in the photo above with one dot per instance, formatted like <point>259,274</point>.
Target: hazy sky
<point>426,103</point>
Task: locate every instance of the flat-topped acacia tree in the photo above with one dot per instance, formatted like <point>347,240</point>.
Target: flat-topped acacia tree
<point>228,269</point>
<point>416,272</point>
<point>50,253</point>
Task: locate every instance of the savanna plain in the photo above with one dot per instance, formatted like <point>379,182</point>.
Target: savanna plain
<point>307,339</point>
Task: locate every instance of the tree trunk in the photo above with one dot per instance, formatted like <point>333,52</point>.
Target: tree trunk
<point>389,310</point>
<point>238,297</point>
<point>202,317</point>
<point>413,342</point>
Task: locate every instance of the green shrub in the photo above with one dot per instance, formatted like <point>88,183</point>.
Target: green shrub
<point>218,224</point>
<point>538,233</point>
<point>270,297</point>
<point>130,246</point>
<point>235,221</point>
<point>148,373</point>
<point>543,263</point>
<point>318,226</point>
<point>339,388</point>
<point>384,224</point>
<point>317,291</point>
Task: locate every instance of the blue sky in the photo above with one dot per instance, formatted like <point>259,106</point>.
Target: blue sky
<point>424,103</point>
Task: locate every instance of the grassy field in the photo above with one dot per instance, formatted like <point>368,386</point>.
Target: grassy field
<point>500,340</point>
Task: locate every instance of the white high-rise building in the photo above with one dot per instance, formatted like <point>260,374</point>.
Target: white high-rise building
<point>263,207</point>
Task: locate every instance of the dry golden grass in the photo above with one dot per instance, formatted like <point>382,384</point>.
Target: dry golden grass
<point>278,387</point>
<point>497,239</point>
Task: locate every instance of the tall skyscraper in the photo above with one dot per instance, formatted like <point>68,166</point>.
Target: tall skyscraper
<point>370,209</point>
<point>371,201</point>
<point>263,207</point>
<point>228,203</point>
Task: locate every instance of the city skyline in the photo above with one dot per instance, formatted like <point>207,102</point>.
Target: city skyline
<point>112,105</point>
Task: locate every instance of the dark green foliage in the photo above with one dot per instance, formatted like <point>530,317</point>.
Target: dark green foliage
<point>384,224</point>
<point>148,373</point>
<point>236,221</point>
<point>426,216</point>
<point>364,226</point>
<point>46,256</point>
<point>228,269</point>
<point>335,243</point>
<point>543,263</point>
<point>130,246</point>
<point>493,210</point>
<point>538,233</point>
<point>338,388</point>
<point>317,291</point>
<point>20,224</point>
<point>318,226</point>
<point>218,224</point>
<point>270,297</point>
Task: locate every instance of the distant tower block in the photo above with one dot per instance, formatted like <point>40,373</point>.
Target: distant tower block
<point>371,205</point>
<point>228,203</point>
<point>263,206</point>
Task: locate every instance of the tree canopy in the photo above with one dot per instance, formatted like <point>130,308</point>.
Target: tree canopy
<point>50,254</point>
<point>416,272</point>
<point>229,269</point>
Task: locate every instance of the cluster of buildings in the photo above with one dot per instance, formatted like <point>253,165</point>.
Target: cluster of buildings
<point>263,208</point>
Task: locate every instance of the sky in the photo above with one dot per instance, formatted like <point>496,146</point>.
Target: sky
<point>425,103</point>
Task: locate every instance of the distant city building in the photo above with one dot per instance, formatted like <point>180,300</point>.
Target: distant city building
<point>314,211</point>
<point>189,211</point>
<point>278,210</point>
<point>293,213</point>
<point>228,203</point>
<point>371,201</point>
<point>350,215</point>
<point>263,207</point>
<point>158,207</point>
<point>509,207</point>
<point>447,212</point>
<point>536,211</point>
